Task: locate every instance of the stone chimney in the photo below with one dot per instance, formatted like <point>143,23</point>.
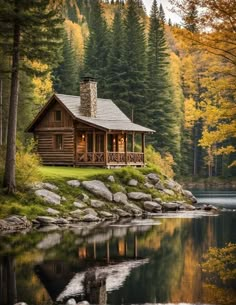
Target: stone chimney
<point>88,97</point>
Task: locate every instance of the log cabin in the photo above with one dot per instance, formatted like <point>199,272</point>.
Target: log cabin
<point>87,131</point>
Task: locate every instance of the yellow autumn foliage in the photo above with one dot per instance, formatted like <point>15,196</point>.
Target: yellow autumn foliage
<point>164,163</point>
<point>27,165</point>
<point>78,35</point>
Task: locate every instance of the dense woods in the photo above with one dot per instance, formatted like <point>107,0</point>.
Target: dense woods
<point>176,79</point>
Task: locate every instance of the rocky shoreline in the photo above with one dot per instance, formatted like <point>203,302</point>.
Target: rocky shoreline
<point>95,202</point>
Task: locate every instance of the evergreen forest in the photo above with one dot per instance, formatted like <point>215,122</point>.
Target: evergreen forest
<point>178,79</point>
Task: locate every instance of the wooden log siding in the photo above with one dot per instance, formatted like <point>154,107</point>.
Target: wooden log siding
<point>49,120</point>
<point>47,149</point>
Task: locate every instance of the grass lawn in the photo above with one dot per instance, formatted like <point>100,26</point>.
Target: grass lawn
<point>60,172</point>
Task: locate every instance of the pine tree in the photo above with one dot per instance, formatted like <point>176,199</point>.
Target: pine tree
<point>30,31</point>
<point>162,16</point>
<point>96,54</point>
<point>161,107</point>
<point>116,64</point>
<point>135,55</point>
<point>65,75</point>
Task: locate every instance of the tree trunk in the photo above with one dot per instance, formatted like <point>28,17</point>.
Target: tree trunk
<point>9,181</point>
<point>1,111</point>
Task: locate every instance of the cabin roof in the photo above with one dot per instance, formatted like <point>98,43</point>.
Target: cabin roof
<point>108,117</point>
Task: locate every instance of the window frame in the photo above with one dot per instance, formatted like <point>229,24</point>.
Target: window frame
<point>55,115</point>
<point>61,146</point>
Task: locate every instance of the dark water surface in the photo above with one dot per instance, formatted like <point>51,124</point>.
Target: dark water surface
<point>146,262</point>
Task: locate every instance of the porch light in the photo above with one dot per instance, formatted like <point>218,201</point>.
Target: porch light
<point>83,137</point>
<point>121,140</point>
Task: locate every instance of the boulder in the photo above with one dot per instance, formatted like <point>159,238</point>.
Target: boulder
<point>61,221</point>
<point>168,192</point>
<point>133,209</point>
<point>187,193</point>
<point>20,303</point>
<point>153,177</point>
<point>149,185</point>
<point>15,223</point>
<point>139,196</point>
<point>45,220</point>
<point>170,206</point>
<point>122,213</point>
<point>83,303</point>
<point>97,203</point>
<point>48,196</point>
<point>159,186</point>
<point>83,197</point>
<point>52,211</point>
<point>152,206</point>
<point>106,215</point>
<point>111,178</point>
<point>90,211</point>
<point>189,196</point>
<point>157,200</point>
<point>173,185</point>
<point>90,218</point>
<point>77,213</point>
<point>209,207</point>
<point>133,182</point>
<point>186,206</point>
<point>74,183</point>
<point>79,205</point>
<point>15,219</point>
<point>98,188</point>
<point>120,197</point>
<point>44,185</point>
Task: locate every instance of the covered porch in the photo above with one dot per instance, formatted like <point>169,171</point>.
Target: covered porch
<point>113,148</point>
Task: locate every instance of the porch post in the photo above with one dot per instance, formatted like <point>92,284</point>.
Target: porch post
<point>143,142</point>
<point>143,145</point>
<point>94,141</point>
<point>105,148</point>
<point>133,141</point>
<point>86,147</point>
<point>125,144</point>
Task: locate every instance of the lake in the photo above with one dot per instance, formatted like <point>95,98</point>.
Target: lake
<point>149,261</point>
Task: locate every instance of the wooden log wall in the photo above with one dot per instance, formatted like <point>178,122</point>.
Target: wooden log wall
<point>47,148</point>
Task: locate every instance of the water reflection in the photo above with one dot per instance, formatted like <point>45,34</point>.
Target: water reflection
<point>151,262</point>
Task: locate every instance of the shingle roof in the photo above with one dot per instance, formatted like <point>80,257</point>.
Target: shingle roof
<point>109,116</point>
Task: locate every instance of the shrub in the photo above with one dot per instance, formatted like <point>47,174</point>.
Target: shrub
<point>164,164</point>
<point>27,165</point>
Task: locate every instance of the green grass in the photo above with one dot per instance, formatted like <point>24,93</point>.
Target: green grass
<point>56,172</point>
<point>24,202</point>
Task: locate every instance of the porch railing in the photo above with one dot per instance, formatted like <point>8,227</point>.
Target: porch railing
<point>112,157</point>
<point>98,157</point>
<point>126,158</point>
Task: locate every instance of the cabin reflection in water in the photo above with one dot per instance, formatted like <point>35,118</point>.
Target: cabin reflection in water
<point>101,267</point>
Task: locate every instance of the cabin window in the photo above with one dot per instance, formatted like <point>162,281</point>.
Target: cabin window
<point>89,142</point>
<point>99,143</point>
<point>58,142</point>
<point>58,115</point>
<point>112,142</point>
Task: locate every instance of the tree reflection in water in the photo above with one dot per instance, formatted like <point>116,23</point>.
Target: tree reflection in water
<point>145,263</point>
<point>219,269</point>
